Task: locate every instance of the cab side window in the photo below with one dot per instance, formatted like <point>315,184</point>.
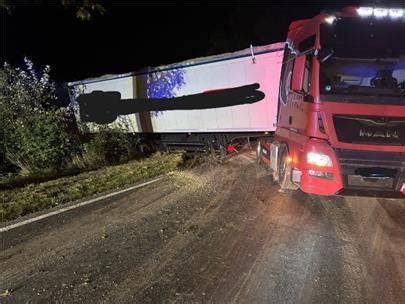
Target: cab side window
<point>304,46</point>
<point>286,72</point>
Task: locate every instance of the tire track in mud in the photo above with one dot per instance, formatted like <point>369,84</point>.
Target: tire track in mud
<point>137,212</point>
<point>386,251</point>
<point>357,260</point>
<point>367,222</point>
<point>216,234</point>
<point>65,240</point>
<point>283,260</point>
<point>200,223</point>
<point>211,268</point>
<point>353,267</point>
<point>78,235</point>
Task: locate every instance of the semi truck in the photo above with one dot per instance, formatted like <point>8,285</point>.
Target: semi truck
<point>327,106</point>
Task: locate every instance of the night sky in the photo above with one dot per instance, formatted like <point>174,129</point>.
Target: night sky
<point>131,36</point>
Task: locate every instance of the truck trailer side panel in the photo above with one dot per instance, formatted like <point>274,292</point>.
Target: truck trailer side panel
<point>261,65</point>
<point>257,117</point>
<point>126,87</point>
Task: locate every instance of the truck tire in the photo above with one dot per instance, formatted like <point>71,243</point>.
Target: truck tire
<point>259,153</point>
<point>284,172</point>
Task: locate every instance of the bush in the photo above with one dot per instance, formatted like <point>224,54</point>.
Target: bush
<point>38,137</point>
<point>38,143</point>
<point>108,147</point>
<point>112,146</point>
<point>33,132</point>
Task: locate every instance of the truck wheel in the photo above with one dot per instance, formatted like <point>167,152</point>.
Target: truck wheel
<point>259,153</point>
<point>284,172</point>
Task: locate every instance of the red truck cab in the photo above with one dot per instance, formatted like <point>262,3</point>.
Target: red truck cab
<point>341,109</point>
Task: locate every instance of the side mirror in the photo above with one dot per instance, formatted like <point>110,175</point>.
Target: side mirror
<point>325,54</point>
<point>298,74</point>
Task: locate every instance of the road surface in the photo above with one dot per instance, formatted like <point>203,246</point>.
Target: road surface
<point>214,234</point>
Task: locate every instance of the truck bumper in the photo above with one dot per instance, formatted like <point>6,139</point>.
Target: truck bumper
<point>372,173</point>
<point>320,185</point>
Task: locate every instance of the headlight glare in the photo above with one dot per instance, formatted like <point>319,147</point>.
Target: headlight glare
<point>320,160</point>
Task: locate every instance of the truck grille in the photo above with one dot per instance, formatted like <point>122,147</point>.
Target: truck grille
<point>376,130</point>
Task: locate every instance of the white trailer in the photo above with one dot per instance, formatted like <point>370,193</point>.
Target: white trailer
<point>256,65</point>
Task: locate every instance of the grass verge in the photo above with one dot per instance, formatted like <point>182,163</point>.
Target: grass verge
<point>35,197</point>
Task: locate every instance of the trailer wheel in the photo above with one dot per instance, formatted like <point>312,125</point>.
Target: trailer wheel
<point>284,171</point>
<point>259,152</point>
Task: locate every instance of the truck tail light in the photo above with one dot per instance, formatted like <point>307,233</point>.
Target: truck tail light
<point>403,189</point>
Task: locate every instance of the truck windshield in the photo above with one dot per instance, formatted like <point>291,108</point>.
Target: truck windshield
<point>368,61</point>
<point>363,76</point>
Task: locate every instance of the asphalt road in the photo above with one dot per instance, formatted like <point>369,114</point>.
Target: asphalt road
<point>214,234</point>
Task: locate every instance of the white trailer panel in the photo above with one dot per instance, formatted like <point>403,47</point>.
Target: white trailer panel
<point>196,77</point>
<point>260,116</point>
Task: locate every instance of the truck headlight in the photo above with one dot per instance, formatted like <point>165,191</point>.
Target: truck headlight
<point>320,160</point>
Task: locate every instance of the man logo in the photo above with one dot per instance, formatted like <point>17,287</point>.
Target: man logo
<point>379,134</point>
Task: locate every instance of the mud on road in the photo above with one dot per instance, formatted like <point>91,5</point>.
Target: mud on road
<point>214,234</point>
